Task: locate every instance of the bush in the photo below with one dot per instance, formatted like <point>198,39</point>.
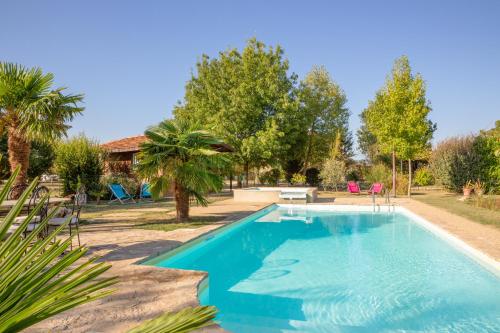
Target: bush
<point>79,161</point>
<point>271,177</point>
<point>130,184</point>
<point>353,175</point>
<point>401,184</point>
<point>41,158</point>
<point>312,177</point>
<point>298,179</point>
<point>455,161</point>
<point>379,173</point>
<point>423,177</point>
<point>332,173</point>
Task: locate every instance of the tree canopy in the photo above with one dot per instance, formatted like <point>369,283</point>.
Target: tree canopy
<point>247,99</point>
<point>325,116</point>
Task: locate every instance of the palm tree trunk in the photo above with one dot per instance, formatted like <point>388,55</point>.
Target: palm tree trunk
<point>19,149</point>
<point>181,202</point>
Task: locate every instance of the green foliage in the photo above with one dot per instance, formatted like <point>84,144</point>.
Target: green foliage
<point>41,158</point>
<point>130,184</point>
<point>298,179</point>
<point>333,172</point>
<point>41,277</point>
<point>312,177</point>
<point>186,320</point>
<point>40,112</point>
<point>423,177</point>
<point>79,159</point>
<point>247,99</point>
<point>378,173</point>
<point>326,117</point>
<point>271,177</point>
<point>454,162</point>
<point>397,117</point>
<point>487,145</point>
<point>353,174</point>
<point>181,152</point>
<point>402,183</point>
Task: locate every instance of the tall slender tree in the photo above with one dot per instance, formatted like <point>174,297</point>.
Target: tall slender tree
<point>30,109</point>
<point>398,116</point>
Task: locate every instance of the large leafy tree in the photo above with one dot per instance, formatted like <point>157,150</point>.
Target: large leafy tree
<point>325,116</point>
<point>181,154</point>
<point>398,116</point>
<point>246,98</point>
<point>30,109</point>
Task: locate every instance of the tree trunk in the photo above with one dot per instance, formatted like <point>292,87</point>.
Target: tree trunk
<point>309,149</point>
<point>409,178</point>
<point>181,202</point>
<point>19,149</point>
<point>246,173</point>
<point>231,181</point>
<point>394,173</point>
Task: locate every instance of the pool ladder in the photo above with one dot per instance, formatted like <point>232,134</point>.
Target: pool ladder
<point>377,207</point>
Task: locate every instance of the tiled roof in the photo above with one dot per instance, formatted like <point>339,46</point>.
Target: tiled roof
<point>130,144</point>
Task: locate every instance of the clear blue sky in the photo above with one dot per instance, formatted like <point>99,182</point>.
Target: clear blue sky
<point>131,59</point>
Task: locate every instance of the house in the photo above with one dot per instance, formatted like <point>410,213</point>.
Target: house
<point>122,154</point>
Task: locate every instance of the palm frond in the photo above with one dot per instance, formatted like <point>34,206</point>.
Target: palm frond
<point>39,279</point>
<point>184,321</point>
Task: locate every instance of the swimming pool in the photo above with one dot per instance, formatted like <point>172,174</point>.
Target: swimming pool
<point>321,269</point>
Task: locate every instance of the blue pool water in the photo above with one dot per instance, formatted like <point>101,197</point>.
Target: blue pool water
<point>322,271</point>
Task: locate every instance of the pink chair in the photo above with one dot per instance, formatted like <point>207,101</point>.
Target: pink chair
<point>353,187</point>
<point>376,188</point>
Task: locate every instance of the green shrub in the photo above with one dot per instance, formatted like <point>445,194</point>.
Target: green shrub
<point>379,173</point>
<point>271,177</point>
<point>455,161</point>
<point>298,179</point>
<point>130,184</point>
<point>353,174</point>
<point>332,173</point>
<point>41,158</point>
<point>79,160</point>
<point>401,184</point>
<point>423,177</point>
<point>312,177</point>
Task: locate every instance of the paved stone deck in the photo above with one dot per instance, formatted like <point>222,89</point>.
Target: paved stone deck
<point>145,292</point>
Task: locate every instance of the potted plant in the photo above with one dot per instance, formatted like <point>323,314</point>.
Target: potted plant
<point>467,188</point>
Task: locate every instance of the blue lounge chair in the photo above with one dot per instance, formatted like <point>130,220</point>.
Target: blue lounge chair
<point>119,192</point>
<point>145,192</point>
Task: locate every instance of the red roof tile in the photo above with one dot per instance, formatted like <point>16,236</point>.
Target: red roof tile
<point>129,144</point>
<point>132,144</point>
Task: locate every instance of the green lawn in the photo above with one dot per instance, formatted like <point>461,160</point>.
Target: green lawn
<point>468,209</point>
<point>149,215</point>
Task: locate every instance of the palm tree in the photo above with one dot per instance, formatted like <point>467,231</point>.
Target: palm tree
<point>30,109</point>
<point>181,154</point>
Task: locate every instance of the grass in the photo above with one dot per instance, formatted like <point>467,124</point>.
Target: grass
<point>171,224</point>
<point>467,209</point>
<point>159,215</point>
